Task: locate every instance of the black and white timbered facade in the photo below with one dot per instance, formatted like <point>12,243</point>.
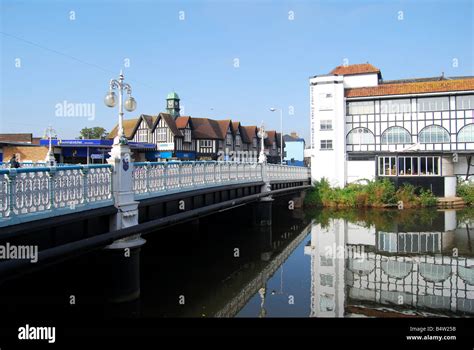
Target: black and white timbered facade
<point>186,138</point>
<point>419,131</point>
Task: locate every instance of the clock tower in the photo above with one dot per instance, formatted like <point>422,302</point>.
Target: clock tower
<point>172,104</point>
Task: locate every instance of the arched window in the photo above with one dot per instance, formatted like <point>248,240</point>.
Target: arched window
<point>433,134</point>
<point>360,136</point>
<point>466,134</point>
<point>396,134</point>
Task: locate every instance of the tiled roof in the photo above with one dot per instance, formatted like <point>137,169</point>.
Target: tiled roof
<point>181,122</point>
<point>169,119</point>
<point>413,88</point>
<point>270,138</point>
<point>248,133</point>
<point>204,128</point>
<point>128,128</point>
<point>235,125</point>
<point>224,125</point>
<point>149,119</point>
<point>355,69</point>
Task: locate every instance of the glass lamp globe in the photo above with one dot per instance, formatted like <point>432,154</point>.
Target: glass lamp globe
<point>130,104</point>
<point>109,99</point>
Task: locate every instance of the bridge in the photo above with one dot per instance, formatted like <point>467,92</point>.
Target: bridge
<point>72,209</point>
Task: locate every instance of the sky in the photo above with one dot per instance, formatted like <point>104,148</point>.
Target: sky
<point>225,59</point>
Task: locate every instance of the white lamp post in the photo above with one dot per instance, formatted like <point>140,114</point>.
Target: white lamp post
<point>281,131</point>
<point>50,133</point>
<point>130,104</point>
<point>262,158</point>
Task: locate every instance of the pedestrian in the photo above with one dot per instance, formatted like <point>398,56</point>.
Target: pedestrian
<point>14,162</point>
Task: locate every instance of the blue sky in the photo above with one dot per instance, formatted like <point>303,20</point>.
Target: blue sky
<point>73,60</point>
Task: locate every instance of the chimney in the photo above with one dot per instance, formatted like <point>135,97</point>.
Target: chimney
<point>294,134</point>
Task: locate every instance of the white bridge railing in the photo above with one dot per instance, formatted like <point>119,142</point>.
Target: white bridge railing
<point>30,193</point>
<point>156,177</point>
<point>48,190</point>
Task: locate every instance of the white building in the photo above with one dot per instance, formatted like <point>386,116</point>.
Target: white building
<point>419,131</point>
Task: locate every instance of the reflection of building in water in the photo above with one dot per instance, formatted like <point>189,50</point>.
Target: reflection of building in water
<point>406,270</point>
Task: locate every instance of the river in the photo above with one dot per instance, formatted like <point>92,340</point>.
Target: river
<point>313,263</point>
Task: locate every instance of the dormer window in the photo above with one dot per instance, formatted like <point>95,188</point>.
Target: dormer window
<point>274,145</point>
<point>228,139</point>
<point>187,135</point>
<point>161,134</point>
<point>237,140</point>
<point>255,142</point>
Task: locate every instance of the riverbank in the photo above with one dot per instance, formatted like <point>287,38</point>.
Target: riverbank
<point>373,194</point>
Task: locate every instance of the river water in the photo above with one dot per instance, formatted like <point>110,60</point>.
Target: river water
<point>320,263</point>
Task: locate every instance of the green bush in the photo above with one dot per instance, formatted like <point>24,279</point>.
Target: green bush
<point>465,190</point>
<point>427,198</point>
<point>377,193</point>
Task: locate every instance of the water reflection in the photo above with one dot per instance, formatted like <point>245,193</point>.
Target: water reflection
<point>393,263</point>
<point>319,264</point>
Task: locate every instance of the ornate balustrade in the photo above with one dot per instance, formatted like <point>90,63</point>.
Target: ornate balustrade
<point>155,177</point>
<point>37,190</point>
<point>33,191</point>
<point>284,172</point>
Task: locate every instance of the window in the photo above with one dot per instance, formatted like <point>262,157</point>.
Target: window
<point>359,136</point>
<point>409,166</point>
<point>255,144</point>
<point>434,134</point>
<point>465,102</point>
<point>326,261</point>
<point>466,134</point>
<point>431,104</point>
<point>161,134</point>
<point>142,135</point>
<point>395,135</point>
<point>237,141</point>
<point>205,143</point>
<point>326,125</point>
<point>326,144</point>
<point>395,106</point>
<point>326,280</point>
<point>326,302</point>
<point>187,135</point>
<point>228,139</point>
<point>274,145</point>
<point>387,166</point>
<point>363,107</point>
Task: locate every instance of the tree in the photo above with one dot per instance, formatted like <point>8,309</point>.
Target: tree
<point>95,132</point>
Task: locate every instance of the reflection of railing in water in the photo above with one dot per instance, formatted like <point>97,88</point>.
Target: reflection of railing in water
<point>436,282</point>
<point>239,301</point>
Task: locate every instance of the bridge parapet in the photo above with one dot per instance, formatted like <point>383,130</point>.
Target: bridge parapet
<point>280,172</point>
<point>156,177</point>
<point>29,192</point>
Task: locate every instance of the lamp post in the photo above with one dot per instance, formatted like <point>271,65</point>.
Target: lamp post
<point>130,104</point>
<point>262,158</point>
<point>281,131</point>
<point>50,133</point>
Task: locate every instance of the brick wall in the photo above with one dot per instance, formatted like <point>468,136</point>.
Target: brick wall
<point>25,153</point>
